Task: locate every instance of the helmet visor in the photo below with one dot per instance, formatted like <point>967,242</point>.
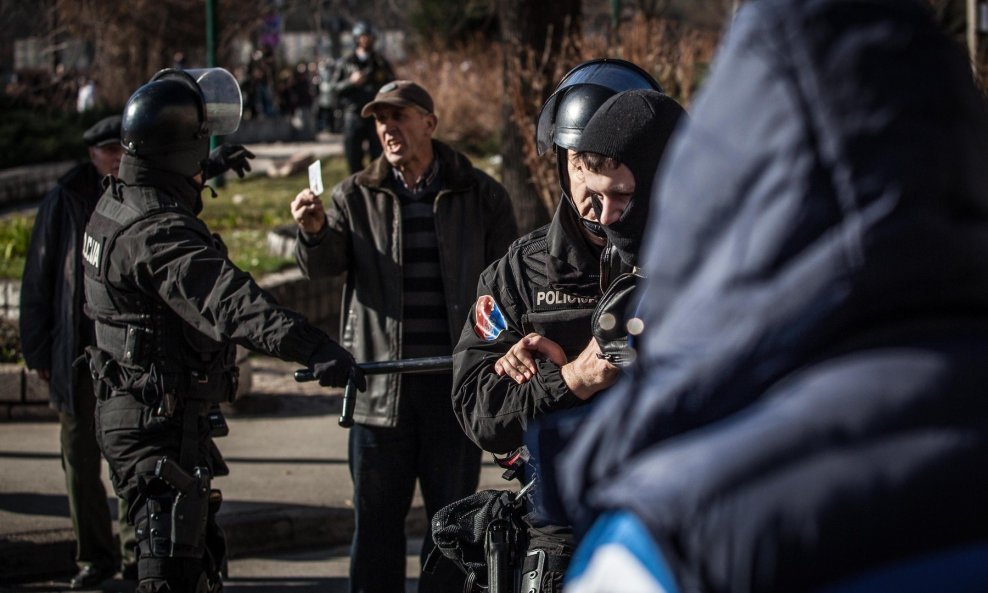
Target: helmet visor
<point>224,103</point>
<point>616,75</point>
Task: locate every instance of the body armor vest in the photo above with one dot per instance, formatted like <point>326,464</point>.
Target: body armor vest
<point>142,346</point>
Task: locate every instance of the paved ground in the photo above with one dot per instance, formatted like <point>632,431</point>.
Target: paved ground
<point>320,570</point>
<point>289,486</point>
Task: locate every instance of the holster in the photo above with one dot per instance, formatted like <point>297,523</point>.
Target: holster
<point>498,542</point>
<point>191,506</point>
<point>99,364</point>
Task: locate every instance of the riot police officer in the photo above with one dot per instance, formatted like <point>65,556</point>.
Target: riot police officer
<point>527,349</point>
<point>169,308</point>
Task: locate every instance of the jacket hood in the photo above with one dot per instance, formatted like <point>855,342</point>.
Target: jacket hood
<point>830,182</point>
<point>572,263</point>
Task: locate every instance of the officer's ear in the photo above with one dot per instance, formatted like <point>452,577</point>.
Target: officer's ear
<point>433,122</point>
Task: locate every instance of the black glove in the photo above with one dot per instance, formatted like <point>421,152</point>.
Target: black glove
<point>609,320</point>
<point>333,366</point>
<point>226,157</point>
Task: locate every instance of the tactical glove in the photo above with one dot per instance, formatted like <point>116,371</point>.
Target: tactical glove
<point>609,322</point>
<point>332,366</point>
<point>226,157</point>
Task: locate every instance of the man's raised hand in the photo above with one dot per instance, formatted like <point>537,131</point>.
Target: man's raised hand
<point>308,212</point>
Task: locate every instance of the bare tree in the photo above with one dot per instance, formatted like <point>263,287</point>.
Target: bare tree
<point>133,40</point>
<point>652,8</point>
<point>538,41</point>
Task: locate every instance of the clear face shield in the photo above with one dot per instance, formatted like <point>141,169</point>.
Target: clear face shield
<point>606,74</point>
<point>220,93</point>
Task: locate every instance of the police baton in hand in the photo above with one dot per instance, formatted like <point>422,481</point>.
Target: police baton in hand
<point>386,367</point>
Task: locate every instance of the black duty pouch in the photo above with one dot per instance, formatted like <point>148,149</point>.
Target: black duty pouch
<point>217,422</point>
<point>100,365</point>
<point>462,532</point>
<point>610,320</point>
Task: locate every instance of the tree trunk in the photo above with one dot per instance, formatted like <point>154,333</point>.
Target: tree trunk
<point>537,38</point>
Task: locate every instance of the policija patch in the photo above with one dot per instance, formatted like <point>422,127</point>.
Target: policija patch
<point>489,321</point>
<point>91,250</point>
<point>554,300</point>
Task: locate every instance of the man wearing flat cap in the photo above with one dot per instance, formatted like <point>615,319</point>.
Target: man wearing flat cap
<point>54,332</point>
<point>412,232</point>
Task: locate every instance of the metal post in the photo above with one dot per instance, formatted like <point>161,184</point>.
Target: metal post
<point>218,181</point>
<point>612,29</point>
<point>972,32</point>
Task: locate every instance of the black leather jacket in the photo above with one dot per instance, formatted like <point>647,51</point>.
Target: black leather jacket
<point>362,238</point>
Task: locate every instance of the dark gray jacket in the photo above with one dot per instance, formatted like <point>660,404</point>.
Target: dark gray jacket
<point>51,291</point>
<point>474,226</point>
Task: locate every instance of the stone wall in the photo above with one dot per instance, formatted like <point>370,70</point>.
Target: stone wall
<point>318,300</point>
<point>22,394</point>
<point>23,185</point>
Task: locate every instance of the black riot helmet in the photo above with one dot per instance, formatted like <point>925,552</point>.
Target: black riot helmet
<point>362,28</point>
<point>579,94</point>
<point>168,121</point>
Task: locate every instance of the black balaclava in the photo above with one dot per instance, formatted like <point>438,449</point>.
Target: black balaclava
<point>633,128</point>
<point>592,226</point>
<point>137,171</point>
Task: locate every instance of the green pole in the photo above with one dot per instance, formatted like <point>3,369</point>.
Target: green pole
<point>210,33</point>
<point>615,14</point>
<point>211,63</point>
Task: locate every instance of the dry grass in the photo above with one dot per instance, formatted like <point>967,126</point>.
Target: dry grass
<point>465,84</point>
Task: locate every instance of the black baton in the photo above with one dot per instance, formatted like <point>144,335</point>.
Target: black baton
<point>385,367</point>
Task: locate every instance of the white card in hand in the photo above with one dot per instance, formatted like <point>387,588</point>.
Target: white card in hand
<point>315,177</point>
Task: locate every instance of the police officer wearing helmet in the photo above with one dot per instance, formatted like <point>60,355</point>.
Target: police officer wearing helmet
<point>527,348</point>
<point>356,81</point>
<point>169,307</point>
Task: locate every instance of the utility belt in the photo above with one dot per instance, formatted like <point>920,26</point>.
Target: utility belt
<point>166,390</point>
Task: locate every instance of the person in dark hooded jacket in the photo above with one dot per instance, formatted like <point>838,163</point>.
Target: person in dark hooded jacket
<point>808,398</point>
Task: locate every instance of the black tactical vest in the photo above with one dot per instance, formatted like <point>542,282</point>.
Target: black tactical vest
<point>142,346</point>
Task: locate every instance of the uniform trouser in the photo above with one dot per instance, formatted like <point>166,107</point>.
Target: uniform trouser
<point>82,463</point>
<point>356,131</point>
<point>427,444</point>
<point>133,438</point>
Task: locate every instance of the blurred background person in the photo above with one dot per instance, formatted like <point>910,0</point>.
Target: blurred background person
<point>357,79</point>
<point>55,332</point>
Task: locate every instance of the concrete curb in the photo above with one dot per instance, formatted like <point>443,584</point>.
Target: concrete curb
<point>39,555</point>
